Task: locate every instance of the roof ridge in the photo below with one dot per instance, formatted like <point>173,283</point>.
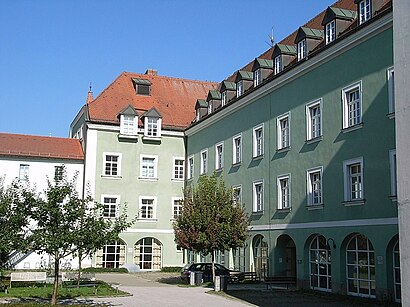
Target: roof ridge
<point>36,136</point>
<point>169,77</point>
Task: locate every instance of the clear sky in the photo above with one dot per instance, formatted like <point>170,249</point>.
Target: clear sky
<point>51,50</point>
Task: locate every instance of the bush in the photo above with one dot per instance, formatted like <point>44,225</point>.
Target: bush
<point>171,269</point>
<point>105,270</point>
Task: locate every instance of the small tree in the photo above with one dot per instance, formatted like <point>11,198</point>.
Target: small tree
<point>211,220</point>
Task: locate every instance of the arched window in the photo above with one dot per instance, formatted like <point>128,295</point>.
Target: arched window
<point>111,255</point>
<point>320,265</point>
<point>147,254</point>
<point>260,254</point>
<point>360,267</point>
<point>396,272</point>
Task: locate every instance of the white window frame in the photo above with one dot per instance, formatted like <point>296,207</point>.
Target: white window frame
<point>283,140</point>
<point>119,158</point>
<point>219,156</point>
<point>349,120</point>
<point>257,77</point>
<point>150,126</point>
<point>258,196</point>
<point>209,107</point>
<point>277,64</point>
<point>313,121</point>
<point>257,141</point>
<point>204,162</point>
<point>239,88</point>
<point>117,205</point>
<point>348,180</point>
<point>284,195</point>
<point>178,171</point>
<point>142,166</point>
<point>128,124</point>
<point>302,52</point>
<point>365,11</point>
<point>393,172</point>
<point>154,207</point>
<point>190,168</point>
<point>330,32</point>
<point>310,186</point>
<point>237,150</point>
<point>390,86</point>
<point>224,98</point>
<point>176,202</point>
<point>24,172</point>
<point>237,197</point>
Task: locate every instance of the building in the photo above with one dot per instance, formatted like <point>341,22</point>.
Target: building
<point>133,138</point>
<point>305,135</point>
<point>35,160</point>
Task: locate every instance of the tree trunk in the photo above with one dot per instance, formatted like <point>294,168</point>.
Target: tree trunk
<point>80,255</point>
<point>213,267</point>
<point>56,273</point>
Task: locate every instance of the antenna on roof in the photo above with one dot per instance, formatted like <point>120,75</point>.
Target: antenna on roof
<point>271,37</point>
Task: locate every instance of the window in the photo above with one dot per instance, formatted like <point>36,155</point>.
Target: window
<point>112,164</point>
<point>284,192</point>
<point>258,141</point>
<point>204,161</point>
<point>353,175</point>
<point>210,107</point>
<point>352,105</point>
<point>330,32</point>
<point>314,186</point>
<point>223,98</point>
<point>364,11</point>
<point>278,64</point>
<point>58,173</point>
<point>24,172</point>
<point>148,167</point>
<point>257,77</point>
<point>237,149</point>
<point>176,207</point>
<point>152,127</point>
<point>190,167</point>
<point>147,207</point>
<point>390,80</point>
<point>393,172</point>
<point>239,88</point>
<point>148,254</point>
<point>258,196</point>
<point>237,195</point>
<point>320,265</point>
<point>219,156</point>
<point>111,255</point>
<point>283,129</point>
<point>396,272</point>
<point>143,89</point>
<point>314,120</point>
<point>110,206</point>
<point>302,50</point>
<point>179,168</point>
<point>128,124</point>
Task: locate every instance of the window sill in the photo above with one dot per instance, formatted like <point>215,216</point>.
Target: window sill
<point>283,149</point>
<point>257,157</point>
<point>218,170</point>
<point>128,136</point>
<point>151,139</point>
<point>178,179</point>
<point>284,209</point>
<point>111,177</point>
<point>393,198</point>
<point>350,203</point>
<point>257,212</point>
<point>315,207</point>
<point>314,140</point>
<point>148,178</point>
<point>147,220</point>
<point>352,128</point>
<point>237,164</point>
<point>391,115</point>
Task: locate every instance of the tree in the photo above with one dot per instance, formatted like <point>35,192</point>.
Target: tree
<point>210,219</point>
<point>14,218</point>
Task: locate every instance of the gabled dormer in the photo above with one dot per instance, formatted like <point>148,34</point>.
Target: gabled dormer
<point>244,81</point>
<point>261,69</point>
<point>228,91</point>
<point>152,121</point>
<point>366,9</point>
<point>306,40</point>
<point>213,100</point>
<point>142,86</point>
<point>335,21</point>
<point>201,109</point>
<point>128,122</point>
<point>282,56</point>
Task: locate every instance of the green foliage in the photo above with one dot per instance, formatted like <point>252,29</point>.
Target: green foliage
<point>210,220</point>
<point>171,269</point>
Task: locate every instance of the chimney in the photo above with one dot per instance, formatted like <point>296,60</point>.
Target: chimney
<point>89,95</point>
<point>151,72</point>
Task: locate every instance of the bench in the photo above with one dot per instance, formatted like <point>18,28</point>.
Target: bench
<point>251,276</point>
<point>37,277</point>
<point>279,280</point>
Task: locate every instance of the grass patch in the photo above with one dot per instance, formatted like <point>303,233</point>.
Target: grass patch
<point>105,270</point>
<point>171,269</point>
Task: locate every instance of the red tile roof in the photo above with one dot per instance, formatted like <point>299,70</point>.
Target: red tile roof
<point>19,145</point>
<point>174,98</point>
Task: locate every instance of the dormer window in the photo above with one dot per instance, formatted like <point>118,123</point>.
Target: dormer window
<point>330,31</point>
<point>278,64</point>
<point>364,11</point>
<point>210,108</point>
<point>128,121</point>
<point>239,88</point>
<point>257,77</point>
<point>302,49</point>
<point>152,127</point>
<point>142,87</point>
<point>224,98</point>
<point>152,124</point>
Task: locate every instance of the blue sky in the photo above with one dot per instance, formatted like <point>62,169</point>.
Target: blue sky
<point>50,51</point>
